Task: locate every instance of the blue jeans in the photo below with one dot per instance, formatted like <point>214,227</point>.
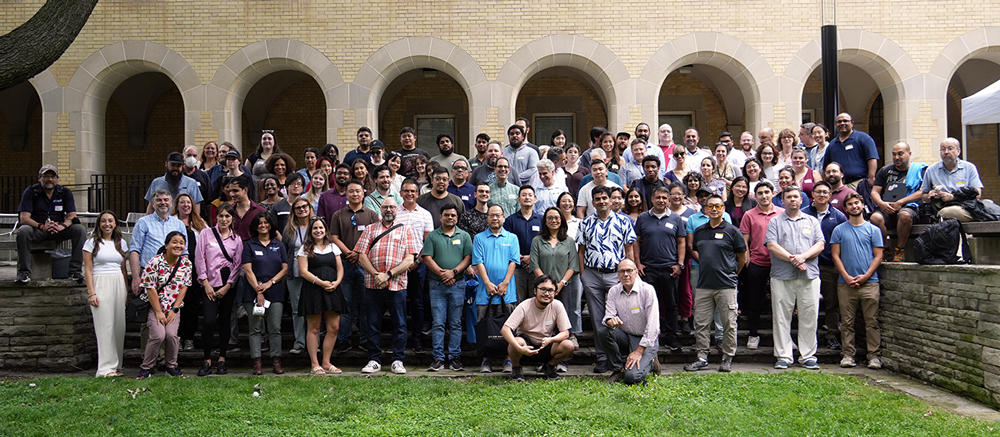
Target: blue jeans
<point>377,301</point>
<point>353,287</point>
<point>446,304</point>
<point>298,322</point>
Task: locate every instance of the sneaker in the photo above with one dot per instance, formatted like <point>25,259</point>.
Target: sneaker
<point>898,255</point>
<point>161,366</point>
<point>416,345</point>
<point>342,346</point>
<point>615,377</point>
<point>673,344</point>
<point>233,348</point>
<point>811,364</point>
<point>371,367</point>
<point>206,369</point>
<point>515,374</point>
<point>78,277</point>
<point>436,366</point>
<point>397,367</point>
<point>602,366</point>
<point>24,277</point>
<point>241,312</point>
<point>686,327</point>
<point>485,367</point>
<point>456,365</point>
<point>781,364</point>
<point>700,364</point>
<point>726,365</point>
<point>656,366</point>
<point>295,350</point>
<point>576,343</point>
<point>753,342</point>
<point>221,369</point>
<point>538,368</point>
<point>173,371</point>
<point>550,372</point>
<point>875,364</point>
<point>562,368</point>
<point>144,373</point>
<point>847,362</point>
<point>189,345</point>
<point>833,344</point>
<point>362,346</point>
<point>508,366</point>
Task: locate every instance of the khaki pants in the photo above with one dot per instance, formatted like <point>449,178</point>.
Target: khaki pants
<point>867,297</point>
<point>707,303</point>
<point>956,212</point>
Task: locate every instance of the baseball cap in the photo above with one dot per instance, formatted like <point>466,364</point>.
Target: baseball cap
<point>175,158</point>
<point>47,168</point>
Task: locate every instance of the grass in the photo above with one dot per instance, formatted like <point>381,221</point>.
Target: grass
<point>790,403</point>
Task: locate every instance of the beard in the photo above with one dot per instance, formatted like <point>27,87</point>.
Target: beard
<point>542,302</point>
<point>833,180</point>
<point>173,178</point>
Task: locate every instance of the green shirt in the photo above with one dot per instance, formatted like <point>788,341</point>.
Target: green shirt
<point>554,261</point>
<point>505,196</point>
<point>374,200</point>
<point>447,251</point>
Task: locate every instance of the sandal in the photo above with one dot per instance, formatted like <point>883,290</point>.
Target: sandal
<point>317,371</point>
<point>332,369</point>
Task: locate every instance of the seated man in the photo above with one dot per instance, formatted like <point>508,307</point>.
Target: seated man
<point>894,192</point>
<point>48,212</point>
<point>633,307</point>
<point>534,319</point>
<point>948,176</point>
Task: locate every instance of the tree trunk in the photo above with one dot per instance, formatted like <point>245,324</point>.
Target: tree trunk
<point>38,43</point>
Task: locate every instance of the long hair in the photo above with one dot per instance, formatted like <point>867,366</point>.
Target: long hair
<point>563,230</point>
<point>196,221</point>
<point>269,218</point>
<point>116,234</point>
<point>313,194</point>
<point>310,245</point>
<point>290,233</point>
<point>639,208</point>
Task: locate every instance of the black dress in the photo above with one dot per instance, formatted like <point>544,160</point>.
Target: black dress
<point>315,299</point>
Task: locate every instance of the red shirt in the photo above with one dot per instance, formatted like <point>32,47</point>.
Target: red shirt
<point>388,252</point>
<point>754,223</point>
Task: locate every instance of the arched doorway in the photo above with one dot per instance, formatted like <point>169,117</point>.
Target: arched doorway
<point>431,102</point>
<point>561,98</point>
<point>20,142</point>
<point>692,96</point>
<point>144,122</point>
<point>982,141</point>
<point>291,104</point>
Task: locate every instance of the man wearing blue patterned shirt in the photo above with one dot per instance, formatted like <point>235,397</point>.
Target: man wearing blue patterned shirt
<point>604,240</point>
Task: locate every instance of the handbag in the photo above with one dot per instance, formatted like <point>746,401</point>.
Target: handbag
<point>137,310</point>
<point>489,339</point>
<point>225,271</point>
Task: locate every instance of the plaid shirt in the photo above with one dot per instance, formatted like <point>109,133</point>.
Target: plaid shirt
<point>388,252</point>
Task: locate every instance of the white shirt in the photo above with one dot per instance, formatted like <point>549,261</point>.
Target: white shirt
<point>108,261</point>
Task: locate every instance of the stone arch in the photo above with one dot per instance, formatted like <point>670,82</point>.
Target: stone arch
<point>86,97</point>
<point>982,43</point>
<point>740,61</point>
<point>406,54</point>
<point>601,67</point>
<point>241,71</point>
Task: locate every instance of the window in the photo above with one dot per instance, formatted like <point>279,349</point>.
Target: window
<point>545,124</point>
<point>429,127</point>
<point>808,116</point>
<point>678,120</point>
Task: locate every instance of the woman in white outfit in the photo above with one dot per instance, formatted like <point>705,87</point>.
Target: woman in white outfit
<point>104,267</point>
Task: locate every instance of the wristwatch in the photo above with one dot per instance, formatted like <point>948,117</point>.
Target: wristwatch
<point>564,282</point>
<point>175,309</point>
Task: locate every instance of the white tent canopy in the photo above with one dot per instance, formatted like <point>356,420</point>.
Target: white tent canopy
<point>980,108</point>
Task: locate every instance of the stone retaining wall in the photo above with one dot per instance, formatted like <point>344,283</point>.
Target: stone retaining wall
<point>941,324</point>
<point>46,326</point>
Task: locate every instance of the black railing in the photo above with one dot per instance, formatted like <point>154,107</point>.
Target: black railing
<point>121,193</point>
<point>11,189</point>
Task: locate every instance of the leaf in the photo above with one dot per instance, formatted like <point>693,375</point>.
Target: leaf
<point>928,414</point>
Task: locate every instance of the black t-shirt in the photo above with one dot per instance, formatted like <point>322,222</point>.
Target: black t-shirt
<point>720,244</point>
<point>659,238</point>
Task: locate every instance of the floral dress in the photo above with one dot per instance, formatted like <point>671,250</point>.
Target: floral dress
<point>155,275</point>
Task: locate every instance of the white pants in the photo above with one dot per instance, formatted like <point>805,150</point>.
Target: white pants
<point>785,294</point>
<point>109,322</point>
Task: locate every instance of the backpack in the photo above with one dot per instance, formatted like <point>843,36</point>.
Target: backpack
<point>939,244</point>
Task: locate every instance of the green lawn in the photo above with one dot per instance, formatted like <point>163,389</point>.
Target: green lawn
<point>739,404</point>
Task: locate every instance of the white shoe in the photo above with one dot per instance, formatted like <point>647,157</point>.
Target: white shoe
<point>875,364</point>
<point>847,362</point>
<point>371,367</point>
<point>397,367</point>
<point>753,342</point>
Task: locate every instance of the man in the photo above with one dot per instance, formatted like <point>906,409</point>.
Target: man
<point>754,229</point>
<point>363,150</point>
<point>795,241</point>
<point>475,220</point>
<point>834,174</point>
<point>487,173</point>
<point>408,139</point>
<point>585,203</point>
<point>829,218</point>
<point>854,150</point>
<point>632,306</point>
<point>642,131</point>
<point>900,210</point>
<point>175,182</point>
<point>631,171</point>
<point>721,242</point>
<point>335,198</point>
<point>691,224</point>
<point>418,301</point>
<point>604,240</point>
<point>522,159</point>
<point>857,252</point>
<point>651,179</point>
<point>460,185</point>
<point>694,153</point>
<point>524,224</point>
<point>385,251</point>
<point>595,155</point>
<point>246,209</point>
<point>535,320</point>
<point>547,194</point>
<point>48,212</point>
<point>233,168</point>
<point>806,140</point>
<point>621,142</point>
<point>739,156</point>
<point>948,176</point>
<point>346,226</point>
<point>502,192</point>
<point>596,133</point>
<point>383,189</point>
<point>446,156</point>
<point>481,141</point>
<point>766,134</point>
<point>665,142</point>
<point>523,122</point>
<point>439,196</point>
<point>191,170</point>
<point>495,255</point>
<point>447,252</point>
<point>650,149</point>
<point>660,238</point>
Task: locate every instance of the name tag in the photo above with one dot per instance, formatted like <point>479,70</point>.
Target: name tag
<point>718,236</point>
<point>456,242</point>
<point>534,228</point>
<point>685,219</point>
<point>522,157</point>
<point>635,310</point>
<point>58,208</point>
<point>283,212</point>
<point>670,225</point>
<point>807,181</point>
<point>834,201</point>
<point>213,244</point>
<point>258,252</point>
<point>959,183</point>
<point>807,231</point>
<point>849,147</point>
<point>548,322</point>
<point>512,196</point>
<point>361,228</point>
<point>465,197</point>
<point>198,182</point>
<point>505,244</point>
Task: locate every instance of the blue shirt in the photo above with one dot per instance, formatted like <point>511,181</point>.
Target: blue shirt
<point>186,185</point>
<point>546,198</point>
<point>357,153</point>
<point>265,262</point>
<point>695,220</point>
<point>856,245</point>
<point>661,235</point>
<point>466,192</point>
<point>776,200</point>
<point>495,252</point>
<point>150,233</point>
<point>963,175</point>
<point>827,222</point>
<point>852,154</point>
<point>605,240</point>
<point>524,228</point>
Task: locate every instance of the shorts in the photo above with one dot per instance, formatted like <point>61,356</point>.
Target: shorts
<point>892,219</point>
<point>543,356</point>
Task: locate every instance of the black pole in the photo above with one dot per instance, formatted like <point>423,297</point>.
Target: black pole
<point>831,80</point>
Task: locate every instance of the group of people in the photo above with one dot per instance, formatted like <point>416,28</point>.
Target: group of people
<point>626,225</point>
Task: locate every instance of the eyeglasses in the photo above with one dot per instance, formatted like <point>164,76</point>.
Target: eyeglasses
<point>625,271</point>
<point>843,121</point>
<point>715,207</point>
<point>503,166</point>
<point>302,207</point>
<point>546,290</point>
<point>459,169</point>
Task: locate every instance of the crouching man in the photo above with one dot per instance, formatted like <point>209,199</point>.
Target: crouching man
<point>631,326</point>
<point>535,320</point>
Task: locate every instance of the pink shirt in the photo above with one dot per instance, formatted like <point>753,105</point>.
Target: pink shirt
<point>419,220</point>
<point>209,259</point>
<point>754,223</point>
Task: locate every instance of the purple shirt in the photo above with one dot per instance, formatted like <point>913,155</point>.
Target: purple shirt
<point>209,259</point>
<point>330,202</point>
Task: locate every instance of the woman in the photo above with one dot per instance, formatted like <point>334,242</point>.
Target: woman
<point>617,200</point>
<point>209,156</point>
<point>805,177</point>
<point>280,165</point>
<point>429,174</point>
<point>165,278</point>
<point>395,161</point>
<point>310,157</point>
<point>724,170</point>
<point>331,152</point>
<point>739,201</point>
<point>283,209</point>
<point>553,253</point>
<point>361,170</point>
<point>682,169</point>
<point>574,171</point>
<point>567,207</point>
<point>768,156</point>
<point>614,160</point>
<point>184,210</point>
<point>676,203</point>
<point>325,164</point>
<point>678,195</point>
<point>820,134</point>
<point>418,170</point>
<point>634,204</point>
<point>558,139</point>
<point>269,191</point>
<point>786,142</point>
<point>708,171</point>
<point>294,235</point>
<point>317,187</point>
<point>786,177</point>
<point>752,171</point>
<point>218,256</point>
<point>322,272</point>
<point>265,264</point>
<point>257,160</point>
<point>693,182</point>
<point>104,271</point>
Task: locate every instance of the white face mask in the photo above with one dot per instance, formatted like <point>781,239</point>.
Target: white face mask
<point>192,162</point>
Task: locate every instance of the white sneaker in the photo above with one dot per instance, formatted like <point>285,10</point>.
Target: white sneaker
<point>372,367</point>
<point>847,362</point>
<point>875,364</point>
<point>753,342</point>
<point>397,367</point>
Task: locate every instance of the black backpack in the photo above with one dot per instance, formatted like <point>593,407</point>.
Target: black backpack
<point>939,243</point>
